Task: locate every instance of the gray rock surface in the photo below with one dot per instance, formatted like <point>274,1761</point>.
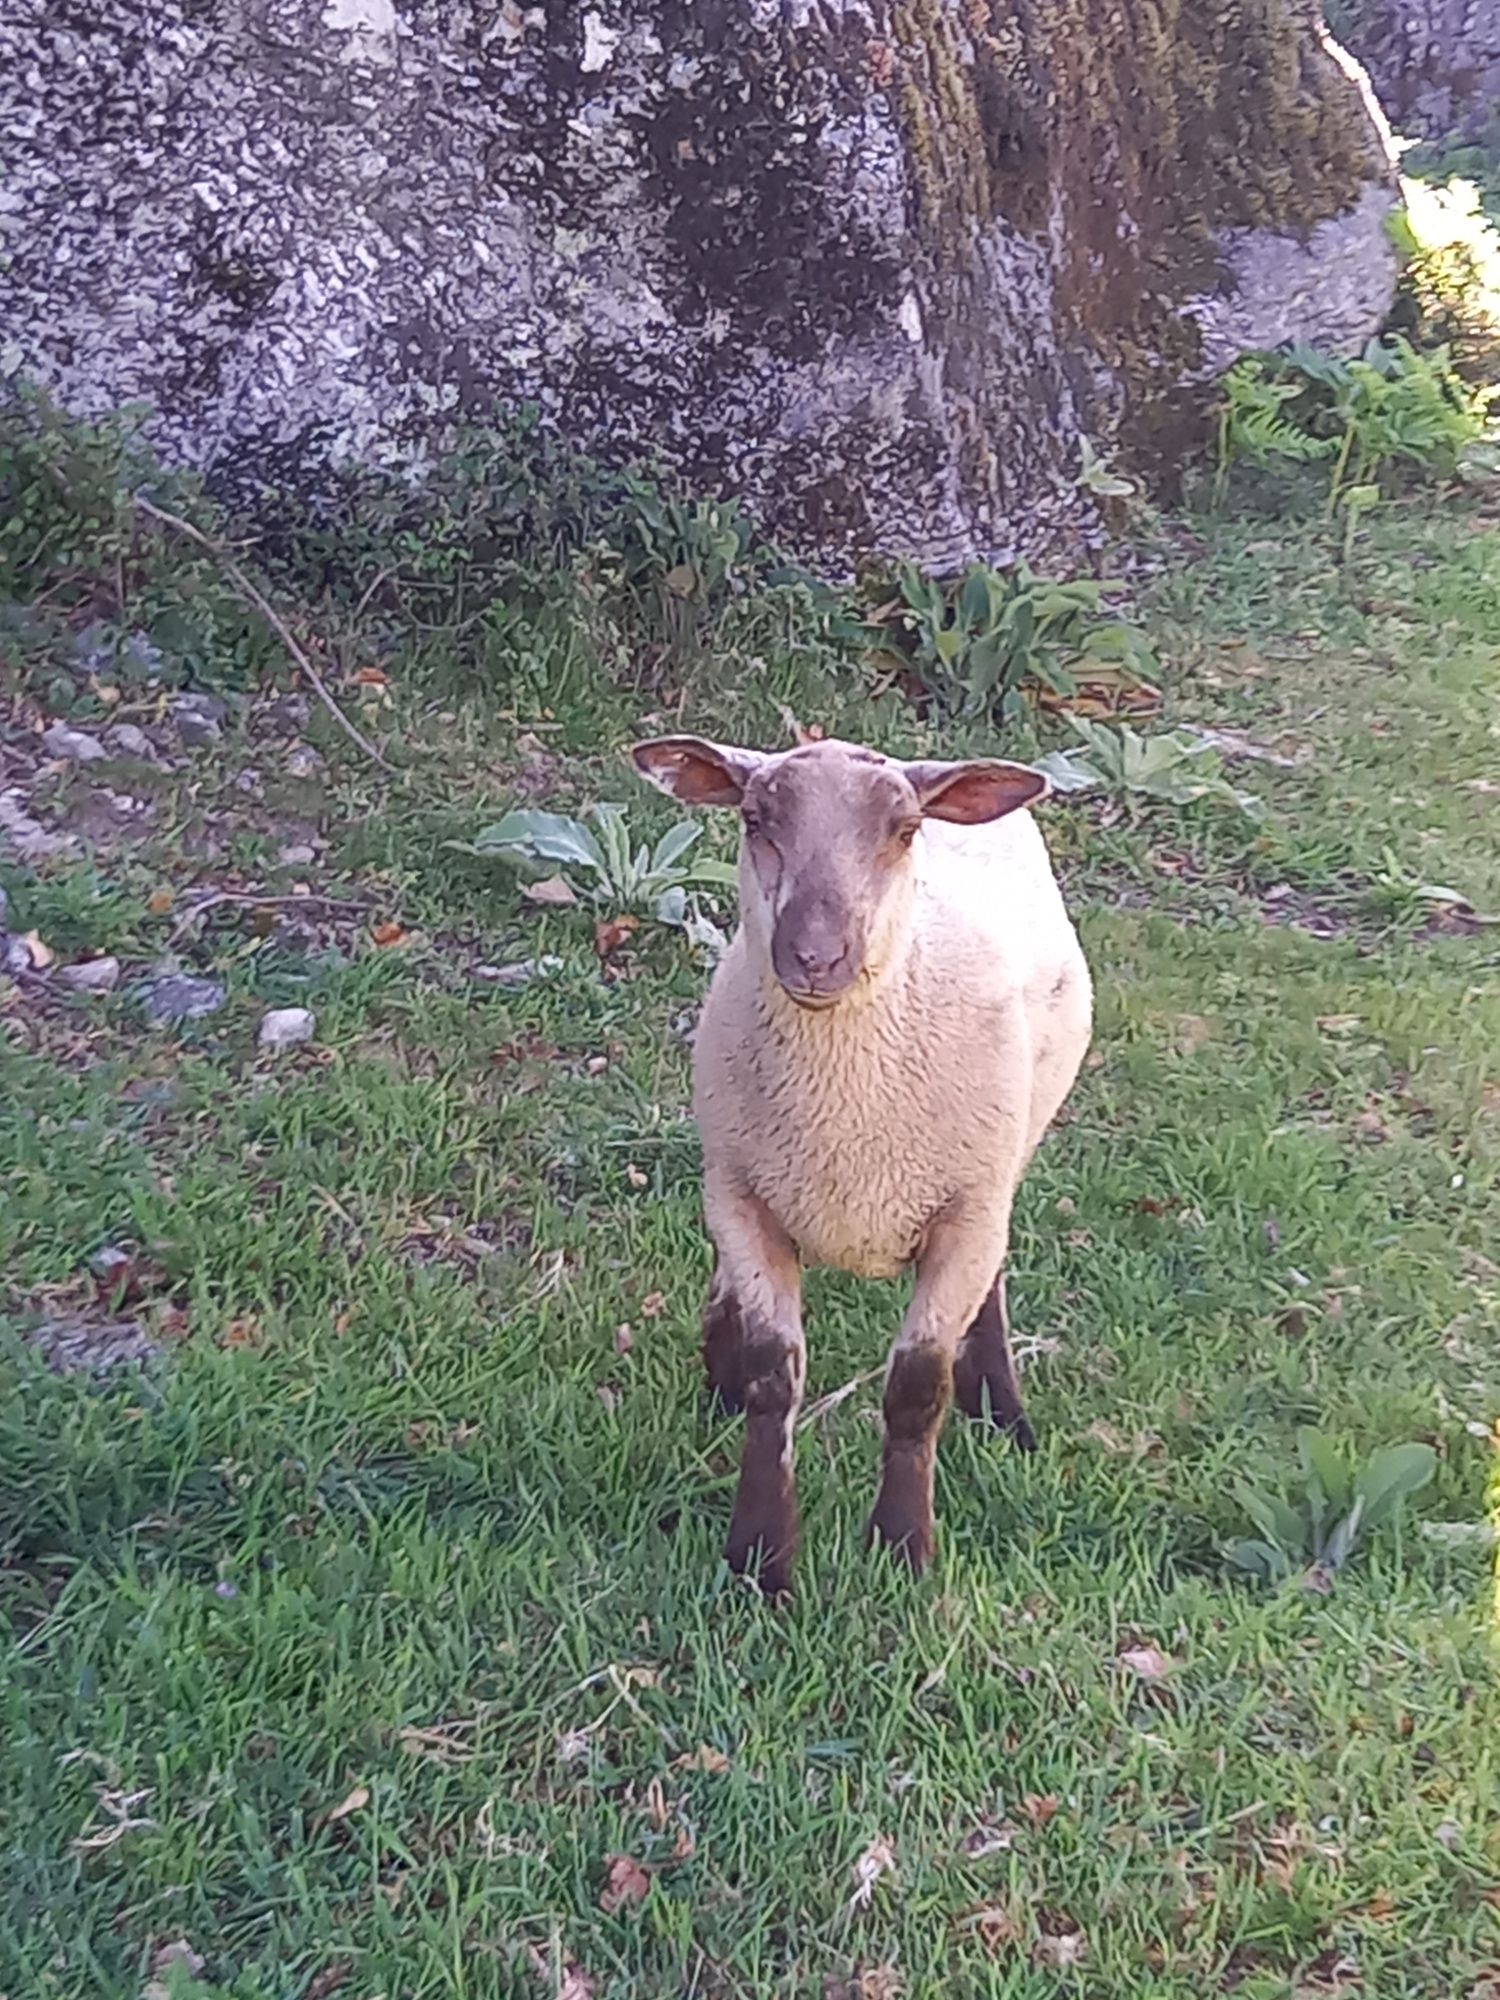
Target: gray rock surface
<point>92,975</point>
<point>177,996</point>
<point>75,746</point>
<point>1435,64</point>
<point>871,265</point>
<point>286,1027</point>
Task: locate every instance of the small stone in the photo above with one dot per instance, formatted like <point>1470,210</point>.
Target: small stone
<point>175,996</point>
<point>15,956</point>
<point>302,761</point>
<point>286,1027</point>
<point>111,1264</point>
<point>75,746</point>
<point>249,781</point>
<point>199,719</point>
<point>126,740</point>
<point>29,839</point>
<point>289,713</point>
<point>298,855</point>
<point>519,972</point>
<point>93,975</point>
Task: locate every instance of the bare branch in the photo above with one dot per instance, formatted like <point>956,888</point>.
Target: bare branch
<point>245,589</point>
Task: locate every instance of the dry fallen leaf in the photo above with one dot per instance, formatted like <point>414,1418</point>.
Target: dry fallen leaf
<point>704,1758</point>
<point>1146,1661</point>
<point>1058,1950</point>
<point>634,1175</point>
<point>995,1929</point>
<point>41,955</point>
<point>878,1859</point>
<point>1190,1033</point>
<point>387,933</point>
<point>624,1338</point>
<point>369,677</point>
<point>241,1332</point>
<point>576,1984</point>
<point>611,932</point>
<point>161,900</point>
<point>352,1802</point>
<point>653,1305</point>
<point>1041,1807</point>
<point>1338,1024</point>
<point>177,1954</point>
<point>329,1980</point>
<point>625,1882</point>
<point>552,891</point>
<point>984,1840</point>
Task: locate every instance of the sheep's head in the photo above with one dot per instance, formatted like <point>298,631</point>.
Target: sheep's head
<point>826,864</point>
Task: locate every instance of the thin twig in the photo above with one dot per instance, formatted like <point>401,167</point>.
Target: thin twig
<point>190,917</point>
<point>831,1402</point>
<point>247,590</point>
<point>369,591</point>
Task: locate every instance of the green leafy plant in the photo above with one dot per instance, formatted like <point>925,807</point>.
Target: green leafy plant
<point>604,861</point>
<point>1392,406</point>
<point>1097,475</point>
<point>1174,767</point>
<point>1313,1534</point>
<point>1255,424</point>
<point>979,641</point>
<point>684,557</point>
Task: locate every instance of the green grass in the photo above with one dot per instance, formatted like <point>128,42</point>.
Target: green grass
<point>394,1520</point>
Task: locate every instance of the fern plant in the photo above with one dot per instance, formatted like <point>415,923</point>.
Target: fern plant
<point>1256,425</point>
<point>1392,405</point>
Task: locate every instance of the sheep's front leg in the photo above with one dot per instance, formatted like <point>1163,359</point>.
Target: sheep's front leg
<point>985,1383</point>
<point>754,1348</point>
<point>954,1273</point>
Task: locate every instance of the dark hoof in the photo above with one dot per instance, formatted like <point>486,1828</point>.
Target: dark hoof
<point>772,1567</point>
<point>985,1401</point>
<point>909,1539</point>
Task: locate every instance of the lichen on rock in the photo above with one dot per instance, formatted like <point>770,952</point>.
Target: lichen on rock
<point>872,265</point>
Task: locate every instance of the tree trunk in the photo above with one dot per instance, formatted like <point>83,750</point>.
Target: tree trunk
<point>873,265</point>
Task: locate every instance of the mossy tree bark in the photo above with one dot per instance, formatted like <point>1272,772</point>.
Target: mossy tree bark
<point>874,265</point>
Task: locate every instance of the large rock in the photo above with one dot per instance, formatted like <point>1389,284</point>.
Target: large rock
<point>873,265</point>
<point>1435,64</point>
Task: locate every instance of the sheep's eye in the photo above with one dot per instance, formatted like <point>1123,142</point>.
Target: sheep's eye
<point>908,833</point>
<point>751,825</point>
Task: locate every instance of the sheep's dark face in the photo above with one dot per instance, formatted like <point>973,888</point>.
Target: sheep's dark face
<point>826,861</point>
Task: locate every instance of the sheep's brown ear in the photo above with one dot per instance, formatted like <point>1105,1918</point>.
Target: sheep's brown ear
<point>972,793</point>
<point>697,772</point>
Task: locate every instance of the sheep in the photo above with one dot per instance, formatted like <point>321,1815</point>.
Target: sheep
<point>898,1018</point>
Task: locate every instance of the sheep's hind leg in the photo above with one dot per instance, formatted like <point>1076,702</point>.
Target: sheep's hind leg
<point>985,1384</point>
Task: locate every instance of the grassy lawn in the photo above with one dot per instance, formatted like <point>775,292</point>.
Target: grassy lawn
<point>373,1638</point>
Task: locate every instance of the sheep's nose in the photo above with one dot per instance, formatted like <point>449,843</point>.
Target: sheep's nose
<point>819,961</point>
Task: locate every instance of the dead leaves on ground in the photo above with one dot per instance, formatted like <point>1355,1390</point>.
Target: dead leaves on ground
<point>626,1883</point>
<point>877,1861</point>
<point>1145,1661</point>
<point>180,1956</point>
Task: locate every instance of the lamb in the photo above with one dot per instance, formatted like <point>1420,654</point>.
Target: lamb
<point>898,1018</point>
